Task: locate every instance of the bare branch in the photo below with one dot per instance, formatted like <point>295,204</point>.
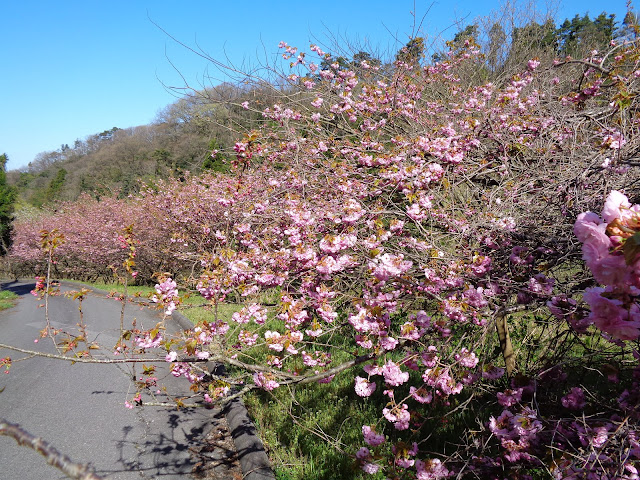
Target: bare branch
<point>97,360</point>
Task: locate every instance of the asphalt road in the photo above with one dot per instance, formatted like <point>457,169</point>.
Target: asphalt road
<point>79,408</point>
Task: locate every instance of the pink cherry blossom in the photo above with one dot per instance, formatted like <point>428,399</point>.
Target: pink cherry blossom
<point>431,469</point>
<point>364,388</point>
<point>466,358</point>
<point>610,315</point>
<point>265,381</point>
<point>616,206</point>
<point>371,437</point>
<point>393,375</point>
<point>398,415</point>
<point>574,400</point>
<point>508,398</point>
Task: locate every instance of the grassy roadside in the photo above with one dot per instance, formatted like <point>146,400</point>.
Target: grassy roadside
<point>7,299</point>
<point>132,290</point>
<point>193,305</point>
<point>310,433</point>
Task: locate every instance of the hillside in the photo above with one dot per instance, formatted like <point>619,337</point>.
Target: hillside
<point>115,161</point>
<point>186,132</point>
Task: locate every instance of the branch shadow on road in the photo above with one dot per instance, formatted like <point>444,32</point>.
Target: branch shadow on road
<point>173,444</point>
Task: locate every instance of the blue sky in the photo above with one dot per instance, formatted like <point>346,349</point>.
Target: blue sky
<point>74,68</point>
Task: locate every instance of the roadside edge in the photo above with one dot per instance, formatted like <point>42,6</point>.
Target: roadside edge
<point>251,453</point>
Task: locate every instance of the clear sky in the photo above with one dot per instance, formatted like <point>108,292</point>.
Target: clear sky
<point>73,68</point>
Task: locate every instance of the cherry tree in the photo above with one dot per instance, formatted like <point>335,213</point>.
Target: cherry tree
<point>401,215</point>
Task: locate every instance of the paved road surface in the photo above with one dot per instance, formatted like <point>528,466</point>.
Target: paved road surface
<point>80,409</point>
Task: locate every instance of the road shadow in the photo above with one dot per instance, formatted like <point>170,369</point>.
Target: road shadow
<point>107,392</point>
<point>19,288</point>
<point>175,444</point>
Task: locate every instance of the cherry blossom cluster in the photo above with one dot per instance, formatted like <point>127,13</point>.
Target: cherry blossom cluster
<point>167,295</point>
<point>610,250</point>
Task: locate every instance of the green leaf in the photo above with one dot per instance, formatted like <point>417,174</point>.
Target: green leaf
<point>631,248</point>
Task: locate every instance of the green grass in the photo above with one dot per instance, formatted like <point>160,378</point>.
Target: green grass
<point>313,432</point>
<point>193,305</point>
<point>310,433</point>
<point>136,291</point>
<point>196,311</point>
<point>133,290</point>
<point>7,299</point>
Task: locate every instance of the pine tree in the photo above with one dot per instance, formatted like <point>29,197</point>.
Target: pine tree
<point>7,199</point>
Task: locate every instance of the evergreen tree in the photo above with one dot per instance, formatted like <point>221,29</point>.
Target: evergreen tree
<point>363,56</point>
<point>412,52</point>
<point>7,199</point>
<point>53,190</point>
<point>581,35</point>
<point>470,32</point>
<point>214,159</point>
